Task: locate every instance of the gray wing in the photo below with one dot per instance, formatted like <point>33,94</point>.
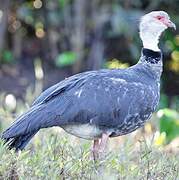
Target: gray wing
<point>46,111</point>
<point>104,98</point>
<point>105,101</point>
<point>62,86</point>
<point>109,105</point>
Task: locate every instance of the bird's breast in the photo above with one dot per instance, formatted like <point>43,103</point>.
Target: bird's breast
<point>85,131</point>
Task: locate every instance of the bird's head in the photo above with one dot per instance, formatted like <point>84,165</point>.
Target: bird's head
<point>151,27</point>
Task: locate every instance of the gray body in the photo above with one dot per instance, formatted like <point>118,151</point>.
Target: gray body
<point>89,104</point>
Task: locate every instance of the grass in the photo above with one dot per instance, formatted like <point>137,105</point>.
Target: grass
<point>53,154</point>
<point>56,155</point>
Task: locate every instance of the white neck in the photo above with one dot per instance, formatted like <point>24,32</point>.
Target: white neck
<point>150,40</point>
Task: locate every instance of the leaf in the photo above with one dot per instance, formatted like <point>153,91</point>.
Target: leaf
<point>169,123</point>
<point>63,3</point>
<point>65,59</point>
<point>7,56</point>
<point>116,64</point>
<point>160,139</point>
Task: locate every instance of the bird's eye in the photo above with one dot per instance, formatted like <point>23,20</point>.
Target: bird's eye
<point>159,17</point>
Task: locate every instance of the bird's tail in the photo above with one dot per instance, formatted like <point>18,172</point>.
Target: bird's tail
<point>25,127</point>
<point>19,142</point>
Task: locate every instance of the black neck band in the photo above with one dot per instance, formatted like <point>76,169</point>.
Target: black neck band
<point>152,57</point>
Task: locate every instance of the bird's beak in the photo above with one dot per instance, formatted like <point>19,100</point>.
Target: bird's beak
<point>170,24</point>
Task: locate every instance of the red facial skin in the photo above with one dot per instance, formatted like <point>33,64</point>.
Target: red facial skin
<point>165,21</point>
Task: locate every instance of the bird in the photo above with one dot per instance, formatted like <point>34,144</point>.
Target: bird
<point>100,104</point>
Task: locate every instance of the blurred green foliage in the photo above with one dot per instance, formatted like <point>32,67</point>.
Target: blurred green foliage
<point>65,59</point>
<point>63,3</point>
<point>116,64</point>
<point>7,57</point>
<point>169,123</point>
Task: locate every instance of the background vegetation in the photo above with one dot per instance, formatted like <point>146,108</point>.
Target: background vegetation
<point>42,42</point>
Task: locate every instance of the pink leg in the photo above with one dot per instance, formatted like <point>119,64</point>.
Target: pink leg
<point>95,148</point>
<point>103,143</point>
<point>99,146</point>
